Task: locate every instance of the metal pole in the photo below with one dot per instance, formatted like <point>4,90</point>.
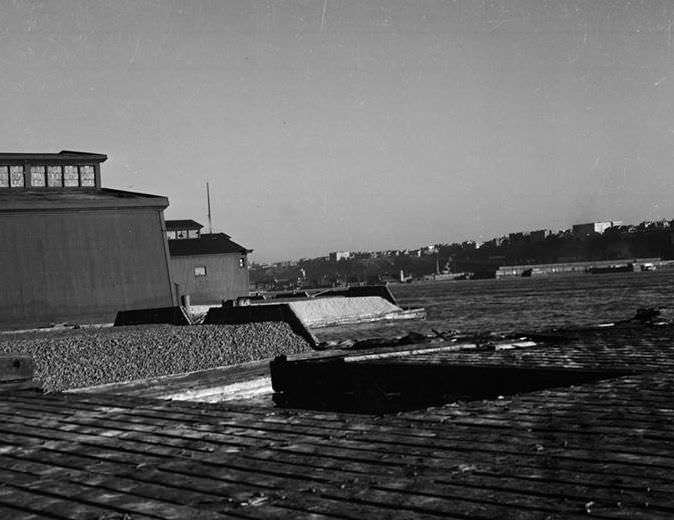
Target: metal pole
<point>208,198</point>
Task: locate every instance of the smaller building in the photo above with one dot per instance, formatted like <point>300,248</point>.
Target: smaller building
<point>539,235</point>
<point>518,238</point>
<point>523,237</point>
<point>336,256</point>
<point>207,267</point>
<point>594,227</point>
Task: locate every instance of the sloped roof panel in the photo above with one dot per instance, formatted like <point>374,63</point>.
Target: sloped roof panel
<point>207,244</point>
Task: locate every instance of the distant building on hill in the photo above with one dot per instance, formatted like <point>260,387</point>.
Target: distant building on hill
<point>208,267</point>
<point>594,227</point>
<point>518,238</point>
<point>73,251</point>
<point>528,236</point>
<point>496,242</point>
<point>539,235</point>
<point>336,256</point>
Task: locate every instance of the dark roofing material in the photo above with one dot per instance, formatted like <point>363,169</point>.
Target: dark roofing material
<point>63,155</point>
<point>207,244</point>
<point>182,224</point>
<point>48,199</point>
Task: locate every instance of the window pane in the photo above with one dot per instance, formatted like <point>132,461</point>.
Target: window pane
<point>54,176</point>
<point>4,177</point>
<point>16,176</point>
<point>87,176</point>
<point>192,234</point>
<point>37,176</point>
<point>70,177</point>
<point>171,235</point>
<point>200,270</point>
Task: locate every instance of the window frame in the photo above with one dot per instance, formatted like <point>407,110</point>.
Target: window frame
<point>5,174</point>
<point>75,179</point>
<point>81,172</point>
<point>34,170</point>
<point>12,172</point>
<point>55,169</point>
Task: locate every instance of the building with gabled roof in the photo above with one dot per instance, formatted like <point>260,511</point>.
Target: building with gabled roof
<point>73,251</point>
<point>208,267</point>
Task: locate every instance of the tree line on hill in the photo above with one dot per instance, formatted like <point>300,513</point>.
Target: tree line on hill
<point>647,240</point>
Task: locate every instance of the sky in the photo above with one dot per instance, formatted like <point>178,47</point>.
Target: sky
<point>355,125</point>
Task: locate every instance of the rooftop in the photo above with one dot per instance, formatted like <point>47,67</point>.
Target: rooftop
<point>602,449</point>
<point>206,244</point>
<point>64,155</point>
<point>75,198</point>
<point>182,224</point>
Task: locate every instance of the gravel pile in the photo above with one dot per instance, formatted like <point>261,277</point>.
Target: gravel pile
<point>87,357</point>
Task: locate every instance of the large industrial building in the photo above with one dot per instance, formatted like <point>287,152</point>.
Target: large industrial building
<point>207,267</point>
<point>73,251</point>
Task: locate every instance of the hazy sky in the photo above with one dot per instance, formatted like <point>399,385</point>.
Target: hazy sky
<point>355,125</point>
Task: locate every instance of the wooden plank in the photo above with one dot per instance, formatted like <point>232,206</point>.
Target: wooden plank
<point>545,485</point>
<point>166,385</point>
<point>311,504</point>
<point>425,504</point>
<point>506,505</point>
<point>98,499</point>
<point>169,490</point>
<point>43,504</point>
<point>11,513</point>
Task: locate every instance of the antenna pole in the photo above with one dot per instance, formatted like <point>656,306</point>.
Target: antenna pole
<point>208,199</point>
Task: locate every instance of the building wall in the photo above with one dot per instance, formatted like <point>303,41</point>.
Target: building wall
<point>594,227</point>
<point>539,235</point>
<point>336,256</point>
<point>224,280</point>
<point>81,266</point>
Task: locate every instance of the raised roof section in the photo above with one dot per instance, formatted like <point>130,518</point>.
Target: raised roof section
<point>183,229</point>
<point>65,170</point>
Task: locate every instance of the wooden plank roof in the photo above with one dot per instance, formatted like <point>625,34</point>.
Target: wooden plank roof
<point>600,450</point>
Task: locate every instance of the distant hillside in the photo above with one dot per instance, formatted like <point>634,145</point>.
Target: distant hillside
<point>648,239</point>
